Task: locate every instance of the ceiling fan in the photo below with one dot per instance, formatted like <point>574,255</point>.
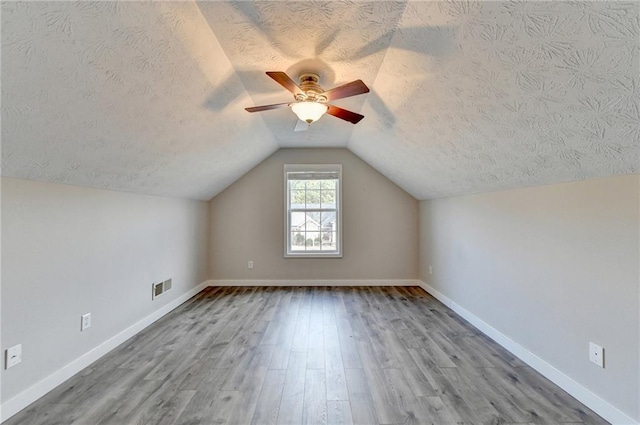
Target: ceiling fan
<point>311,100</point>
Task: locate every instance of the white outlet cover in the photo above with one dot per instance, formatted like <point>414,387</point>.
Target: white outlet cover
<point>14,356</point>
<point>86,321</point>
<point>250,264</point>
<point>596,354</point>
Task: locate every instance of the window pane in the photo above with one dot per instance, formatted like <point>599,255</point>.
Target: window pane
<point>327,219</point>
<point>297,241</point>
<point>297,198</point>
<point>308,242</point>
<point>328,184</point>
<point>315,237</point>
<point>296,184</point>
<point>328,241</point>
<point>298,221</point>
<point>313,184</point>
<point>313,198</point>
<point>328,198</point>
<point>313,221</point>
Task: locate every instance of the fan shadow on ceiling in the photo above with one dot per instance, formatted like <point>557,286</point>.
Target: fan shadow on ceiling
<point>317,44</point>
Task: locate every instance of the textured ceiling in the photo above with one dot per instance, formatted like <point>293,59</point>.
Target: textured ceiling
<point>119,96</point>
<point>465,96</point>
<point>530,93</point>
<point>297,37</point>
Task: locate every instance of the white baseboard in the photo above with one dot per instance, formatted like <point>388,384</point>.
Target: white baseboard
<point>33,393</point>
<point>314,282</point>
<point>585,396</point>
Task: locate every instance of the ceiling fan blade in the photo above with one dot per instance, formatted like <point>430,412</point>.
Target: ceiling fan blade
<point>350,89</point>
<point>301,126</point>
<point>286,82</point>
<point>343,114</point>
<point>266,107</point>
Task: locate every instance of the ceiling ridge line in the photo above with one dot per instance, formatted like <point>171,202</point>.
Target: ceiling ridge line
<point>384,58</point>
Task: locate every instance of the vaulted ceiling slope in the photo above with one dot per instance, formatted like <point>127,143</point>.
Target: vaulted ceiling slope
<point>123,95</point>
<point>465,96</point>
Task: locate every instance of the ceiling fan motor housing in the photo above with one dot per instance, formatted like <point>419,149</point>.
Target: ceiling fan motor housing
<point>311,88</point>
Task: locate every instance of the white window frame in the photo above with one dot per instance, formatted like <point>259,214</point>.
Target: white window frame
<point>288,253</point>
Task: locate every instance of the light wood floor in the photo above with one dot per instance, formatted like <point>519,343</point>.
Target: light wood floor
<point>308,356</point>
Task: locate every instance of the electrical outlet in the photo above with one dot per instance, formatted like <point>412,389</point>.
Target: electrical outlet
<point>250,265</point>
<point>86,322</point>
<point>430,270</point>
<point>13,356</point>
<point>596,354</point>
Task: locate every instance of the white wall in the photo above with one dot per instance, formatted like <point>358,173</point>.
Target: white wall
<point>69,250</point>
<point>379,224</point>
<point>551,267</point>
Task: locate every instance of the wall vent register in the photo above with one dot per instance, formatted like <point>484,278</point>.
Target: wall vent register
<point>160,288</point>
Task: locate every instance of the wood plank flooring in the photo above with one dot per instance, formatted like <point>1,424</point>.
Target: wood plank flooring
<point>346,355</point>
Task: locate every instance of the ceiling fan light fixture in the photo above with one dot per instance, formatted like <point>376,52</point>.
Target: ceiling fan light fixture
<point>309,111</point>
<point>311,99</point>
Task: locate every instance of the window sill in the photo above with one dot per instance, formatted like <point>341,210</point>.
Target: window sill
<point>313,255</point>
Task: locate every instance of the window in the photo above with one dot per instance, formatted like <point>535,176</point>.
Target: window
<point>313,223</point>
